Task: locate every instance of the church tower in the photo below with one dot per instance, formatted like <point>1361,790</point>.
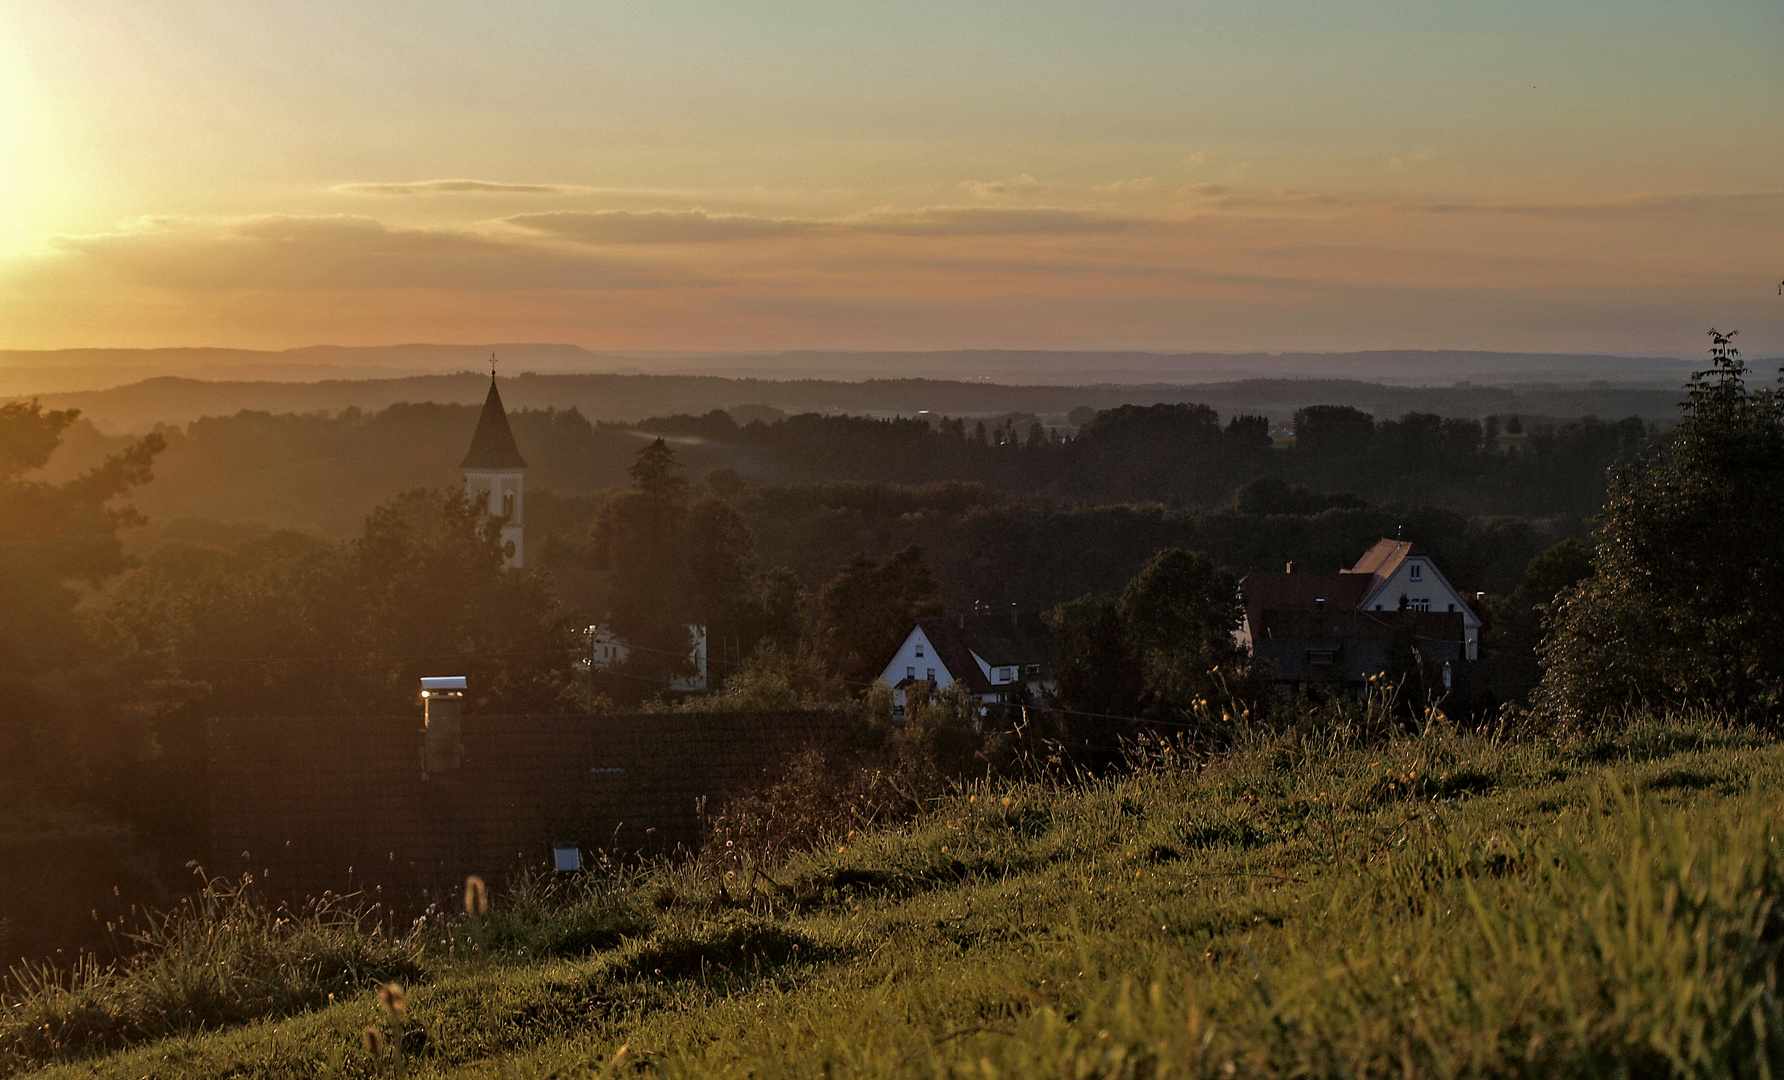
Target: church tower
<point>495,468</point>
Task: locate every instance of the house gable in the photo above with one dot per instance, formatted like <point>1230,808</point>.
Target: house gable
<point>917,661</point>
<point>989,655</point>
<point>1426,589</point>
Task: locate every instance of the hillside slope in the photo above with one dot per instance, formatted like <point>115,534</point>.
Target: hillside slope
<point>1434,906</point>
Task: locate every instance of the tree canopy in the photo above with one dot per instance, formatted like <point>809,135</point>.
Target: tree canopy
<point>1685,602</point>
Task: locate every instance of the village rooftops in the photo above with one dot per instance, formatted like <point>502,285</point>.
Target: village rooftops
<point>1342,591</point>
<point>968,645</point>
<point>492,448</point>
<point>1394,584</point>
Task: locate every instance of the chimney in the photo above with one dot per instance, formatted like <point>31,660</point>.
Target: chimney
<point>443,743</point>
<point>1015,619</point>
<point>1290,569</point>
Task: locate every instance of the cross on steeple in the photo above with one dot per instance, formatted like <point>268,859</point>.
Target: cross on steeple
<point>492,365</point>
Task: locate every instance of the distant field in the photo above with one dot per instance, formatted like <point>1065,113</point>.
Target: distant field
<point>1438,905</point>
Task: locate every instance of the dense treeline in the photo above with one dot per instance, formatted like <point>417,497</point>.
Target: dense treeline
<point>327,472</point>
<point>1182,454</point>
<point>989,548</point>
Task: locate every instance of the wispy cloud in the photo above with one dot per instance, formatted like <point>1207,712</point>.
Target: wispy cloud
<point>1016,185</point>
<point>1650,205</point>
<point>338,252</point>
<point>1224,260</point>
<point>987,221</point>
<point>1145,185</point>
<point>455,187</point>
<point>700,227</point>
<point>657,226</point>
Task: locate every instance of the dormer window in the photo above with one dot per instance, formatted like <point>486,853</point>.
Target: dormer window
<point>1415,572</point>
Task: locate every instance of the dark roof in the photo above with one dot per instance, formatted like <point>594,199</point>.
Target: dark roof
<point>1340,623</point>
<point>1265,591</point>
<point>493,445</point>
<point>1001,640</point>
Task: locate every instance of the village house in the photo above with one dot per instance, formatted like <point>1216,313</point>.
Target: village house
<point>997,658</point>
<point>1338,629</point>
<point>607,650</point>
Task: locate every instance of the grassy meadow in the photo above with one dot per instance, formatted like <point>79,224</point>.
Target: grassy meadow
<point>1424,905</point>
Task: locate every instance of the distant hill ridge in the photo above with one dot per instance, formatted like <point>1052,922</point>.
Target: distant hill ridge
<point>68,370</point>
<point>629,398</point>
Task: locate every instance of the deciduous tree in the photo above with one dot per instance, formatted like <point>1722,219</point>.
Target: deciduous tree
<point>1685,603</point>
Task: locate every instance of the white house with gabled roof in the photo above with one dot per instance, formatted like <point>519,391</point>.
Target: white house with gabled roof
<point>1405,579</point>
<point>995,657</point>
<point>1319,630</point>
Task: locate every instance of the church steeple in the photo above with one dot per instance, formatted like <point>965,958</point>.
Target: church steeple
<point>493,445</point>
<point>495,471</point>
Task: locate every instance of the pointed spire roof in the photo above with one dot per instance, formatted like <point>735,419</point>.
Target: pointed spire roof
<point>493,445</point>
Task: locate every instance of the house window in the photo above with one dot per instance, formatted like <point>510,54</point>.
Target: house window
<point>910,672</point>
<point>1004,674</point>
<point>1034,669</point>
<point>1452,607</point>
<point>931,674</point>
<point>1415,572</point>
<point>1423,603</point>
<point>919,650</point>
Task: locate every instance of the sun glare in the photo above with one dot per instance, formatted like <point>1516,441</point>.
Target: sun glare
<point>21,156</point>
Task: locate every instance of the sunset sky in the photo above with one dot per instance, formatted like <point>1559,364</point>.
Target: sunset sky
<point>1578,176</point>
